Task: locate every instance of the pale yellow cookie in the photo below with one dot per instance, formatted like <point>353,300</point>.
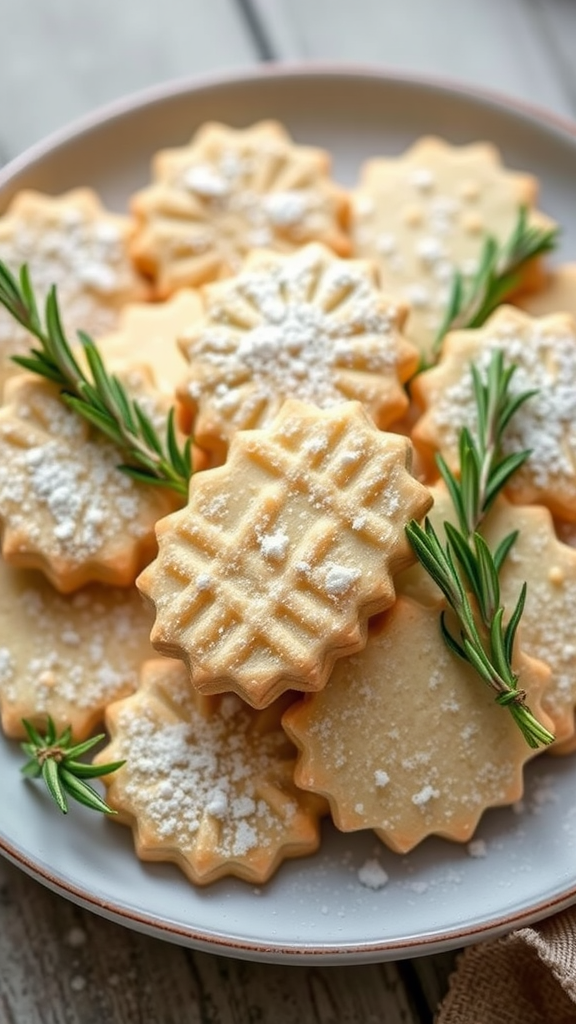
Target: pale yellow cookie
<point>71,241</point>
<point>67,657</point>
<point>406,739</point>
<point>558,294</point>
<point>308,326</point>
<point>207,781</point>
<point>147,332</point>
<point>539,559</point>
<point>544,351</point>
<point>231,190</point>
<point>271,571</point>
<point>65,507</point>
<point>426,213</point>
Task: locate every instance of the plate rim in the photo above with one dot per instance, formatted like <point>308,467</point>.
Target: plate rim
<point>273,951</point>
<point>276,70</point>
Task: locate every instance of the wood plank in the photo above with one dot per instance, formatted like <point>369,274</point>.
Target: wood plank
<point>62,59</point>
<point>488,43</point>
<point>60,964</point>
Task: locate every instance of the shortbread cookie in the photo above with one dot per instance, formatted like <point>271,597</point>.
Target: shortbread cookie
<point>147,332</point>
<point>426,213</point>
<point>558,295</point>
<point>71,241</point>
<point>308,326</point>
<point>67,657</point>
<point>207,781</point>
<point>407,739</point>
<point>544,351</point>
<point>65,507</point>
<point>272,570</point>
<point>230,191</point>
<point>548,566</point>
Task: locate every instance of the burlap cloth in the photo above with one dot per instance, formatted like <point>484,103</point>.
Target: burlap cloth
<point>527,977</point>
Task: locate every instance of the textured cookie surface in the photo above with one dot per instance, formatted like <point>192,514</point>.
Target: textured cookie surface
<point>308,326</point>
<point>71,241</point>
<point>147,333</point>
<point>544,352</point>
<point>66,656</point>
<point>280,556</point>
<point>207,781</point>
<point>406,738</point>
<point>65,507</point>
<point>426,213</point>
<point>230,191</point>
<point>548,567</point>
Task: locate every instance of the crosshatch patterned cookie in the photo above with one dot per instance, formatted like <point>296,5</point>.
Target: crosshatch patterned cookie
<point>544,351</point>
<point>67,657</point>
<point>71,241</point>
<point>271,571</point>
<point>307,326</point>
<point>230,191</point>
<point>207,781</point>
<point>407,740</point>
<point>548,566</point>
<point>426,213</point>
<point>65,508</point>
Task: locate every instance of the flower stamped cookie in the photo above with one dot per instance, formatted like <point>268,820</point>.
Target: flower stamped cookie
<point>308,326</point>
<point>208,781</point>
<point>228,192</point>
<point>271,571</point>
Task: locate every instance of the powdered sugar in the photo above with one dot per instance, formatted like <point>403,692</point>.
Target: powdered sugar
<point>79,248</point>
<point>60,487</point>
<point>68,656</point>
<point>304,327</point>
<point>372,875</point>
<point>544,352</point>
<point>206,767</point>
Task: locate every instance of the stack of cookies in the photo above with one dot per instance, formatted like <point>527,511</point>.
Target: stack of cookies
<point>268,652</point>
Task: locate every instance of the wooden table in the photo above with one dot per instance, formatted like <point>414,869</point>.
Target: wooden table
<point>59,59</point>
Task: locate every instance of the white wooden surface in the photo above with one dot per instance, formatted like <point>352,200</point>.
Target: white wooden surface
<point>59,59</point>
<point>505,45</point>
<point>62,58</point>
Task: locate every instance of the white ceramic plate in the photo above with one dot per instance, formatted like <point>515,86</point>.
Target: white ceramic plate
<point>439,896</point>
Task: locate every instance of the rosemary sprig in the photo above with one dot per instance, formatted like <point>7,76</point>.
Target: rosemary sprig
<point>100,397</point>
<point>465,565</point>
<point>55,759</point>
<point>499,273</point>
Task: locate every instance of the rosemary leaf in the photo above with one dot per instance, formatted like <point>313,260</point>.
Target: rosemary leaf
<point>500,271</point>
<point>54,758</point>
<point>83,793</point>
<point>97,396</point>
<point>465,563</point>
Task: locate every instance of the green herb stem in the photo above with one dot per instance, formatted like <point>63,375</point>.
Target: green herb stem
<point>499,273</point>
<point>98,397</point>
<point>54,758</point>
<point>465,569</point>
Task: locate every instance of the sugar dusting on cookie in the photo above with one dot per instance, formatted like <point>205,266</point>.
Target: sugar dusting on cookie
<point>308,326</point>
